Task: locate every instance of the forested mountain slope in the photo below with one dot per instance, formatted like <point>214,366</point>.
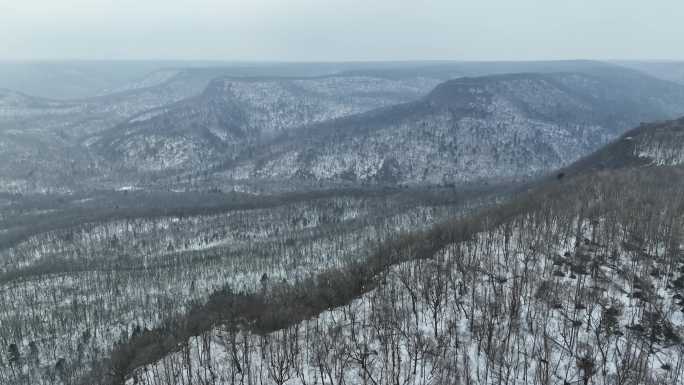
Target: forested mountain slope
<point>659,144</point>
<point>578,280</point>
<point>467,130</point>
<point>233,113</point>
<point>170,128</point>
<point>41,139</point>
<point>81,274</point>
<point>47,143</point>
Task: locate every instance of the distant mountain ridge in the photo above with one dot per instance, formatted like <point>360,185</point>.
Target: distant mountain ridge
<point>284,129</point>
<point>232,113</point>
<point>469,130</point>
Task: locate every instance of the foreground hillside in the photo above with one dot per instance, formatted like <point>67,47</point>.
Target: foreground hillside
<point>82,273</point>
<point>579,280</point>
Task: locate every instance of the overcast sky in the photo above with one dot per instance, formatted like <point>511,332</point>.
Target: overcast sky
<point>337,30</point>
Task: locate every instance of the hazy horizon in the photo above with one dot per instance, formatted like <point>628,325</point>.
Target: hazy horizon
<point>208,62</point>
<point>354,31</point>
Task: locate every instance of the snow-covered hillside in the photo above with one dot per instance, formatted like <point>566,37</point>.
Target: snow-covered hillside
<point>662,144</point>
<point>233,113</point>
<point>41,146</point>
<point>467,130</point>
<point>569,290</point>
<point>480,313</point>
<point>246,133</point>
<point>116,273</point>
